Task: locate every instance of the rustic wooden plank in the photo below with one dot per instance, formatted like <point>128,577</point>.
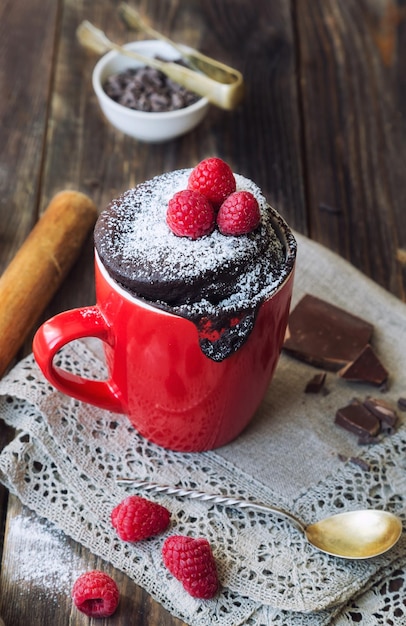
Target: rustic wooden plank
<point>352,92</point>
<point>27,32</point>
<point>263,136</point>
<point>27,35</point>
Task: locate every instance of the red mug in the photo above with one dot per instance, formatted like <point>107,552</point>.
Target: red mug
<point>174,395</point>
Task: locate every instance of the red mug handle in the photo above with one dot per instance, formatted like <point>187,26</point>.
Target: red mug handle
<point>62,329</point>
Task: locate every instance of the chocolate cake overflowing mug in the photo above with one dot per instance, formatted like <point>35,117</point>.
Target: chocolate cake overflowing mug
<point>194,274</point>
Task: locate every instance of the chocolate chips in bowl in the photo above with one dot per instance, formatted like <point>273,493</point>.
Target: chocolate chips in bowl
<point>141,101</point>
<point>148,89</point>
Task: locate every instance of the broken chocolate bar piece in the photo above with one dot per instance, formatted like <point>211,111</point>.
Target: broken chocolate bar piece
<point>367,440</point>
<point>316,383</point>
<point>383,410</point>
<point>325,335</point>
<point>358,419</point>
<point>366,368</point>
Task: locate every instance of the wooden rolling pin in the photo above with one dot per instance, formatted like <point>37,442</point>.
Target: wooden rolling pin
<point>39,267</point>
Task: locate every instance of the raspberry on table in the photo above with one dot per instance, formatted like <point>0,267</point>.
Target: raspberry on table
<point>239,214</point>
<point>137,518</point>
<point>190,214</point>
<point>95,594</point>
<point>191,561</point>
<point>214,179</point>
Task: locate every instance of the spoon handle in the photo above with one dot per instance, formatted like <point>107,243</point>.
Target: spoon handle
<point>210,497</point>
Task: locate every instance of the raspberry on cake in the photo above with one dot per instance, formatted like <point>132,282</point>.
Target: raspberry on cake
<point>239,214</point>
<point>214,179</point>
<point>190,214</point>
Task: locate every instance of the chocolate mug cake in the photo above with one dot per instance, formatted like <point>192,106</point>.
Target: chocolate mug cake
<point>217,281</point>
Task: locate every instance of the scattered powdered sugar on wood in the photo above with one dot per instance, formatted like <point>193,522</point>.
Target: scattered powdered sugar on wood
<point>55,571</point>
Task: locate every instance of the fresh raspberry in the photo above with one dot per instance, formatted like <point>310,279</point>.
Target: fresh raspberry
<point>190,214</point>
<point>137,518</point>
<point>214,179</point>
<point>191,561</point>
<point>239,214</point>
<point>95,594</point>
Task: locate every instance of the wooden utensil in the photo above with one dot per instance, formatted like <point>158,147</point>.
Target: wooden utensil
<point>196,60</point>
<point>223,95</point>
<point>39,267</point>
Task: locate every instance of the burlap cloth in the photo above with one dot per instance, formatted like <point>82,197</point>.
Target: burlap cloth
<point>66,456</point>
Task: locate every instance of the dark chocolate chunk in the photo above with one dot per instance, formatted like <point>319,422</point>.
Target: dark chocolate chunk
<point>316,383</point>
<point>382,409</point>
<point>402,404</point>
<point>366,367</point>
<point>325,335</point>
<point>357,419</point>
<point>367,440</point>
<point>360,462</point>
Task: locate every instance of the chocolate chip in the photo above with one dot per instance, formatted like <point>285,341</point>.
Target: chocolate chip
<point>316,383</point>
<point>148,89</point>
<point>360,462</point>
<point>367,440</point>
<point>402,404</point>
<point>355,460</point>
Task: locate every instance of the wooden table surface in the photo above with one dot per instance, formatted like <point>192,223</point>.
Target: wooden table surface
<point>322,130</point>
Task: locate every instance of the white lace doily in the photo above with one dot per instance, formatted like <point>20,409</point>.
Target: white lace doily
<point>66,456</point>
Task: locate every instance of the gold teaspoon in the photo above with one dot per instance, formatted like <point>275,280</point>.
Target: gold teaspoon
<point>360,534</point>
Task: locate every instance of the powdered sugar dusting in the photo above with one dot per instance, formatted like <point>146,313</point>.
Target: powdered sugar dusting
<point>215,276</point>
<point>148,250</point>
<point>153,238</point>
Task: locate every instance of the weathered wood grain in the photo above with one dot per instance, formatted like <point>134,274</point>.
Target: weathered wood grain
<point>350,56</point>
<point>27,32</point>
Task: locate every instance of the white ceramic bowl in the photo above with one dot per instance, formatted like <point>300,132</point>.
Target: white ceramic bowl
<point>150,127</point>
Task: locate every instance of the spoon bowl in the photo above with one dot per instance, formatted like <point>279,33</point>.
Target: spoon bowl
<point>359,534</point>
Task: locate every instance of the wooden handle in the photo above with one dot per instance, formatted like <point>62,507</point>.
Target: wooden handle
<point>39,267</point>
